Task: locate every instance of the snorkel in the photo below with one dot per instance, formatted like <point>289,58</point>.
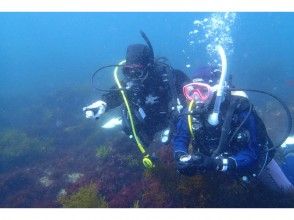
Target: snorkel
<point>213,117</point>
<point>146,39</point>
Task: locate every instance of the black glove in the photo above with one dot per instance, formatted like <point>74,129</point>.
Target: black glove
<point>196,164</point>
<point>208,163</point>
<point>220,163</point>
<point>187,164</point>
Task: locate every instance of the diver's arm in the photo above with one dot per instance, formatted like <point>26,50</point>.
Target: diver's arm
<point>181,138</point>
<point>112,98</point>
<point>186,163</point>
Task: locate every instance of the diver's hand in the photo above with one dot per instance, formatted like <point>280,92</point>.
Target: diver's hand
<point>95,110</point>
<point>196,164</point>
<point>187,164</point>
<point>208,163</point>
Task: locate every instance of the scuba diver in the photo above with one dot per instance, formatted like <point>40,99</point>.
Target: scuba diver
<point>150,96</point>
<point>232,144</point>
<point>221,131</point>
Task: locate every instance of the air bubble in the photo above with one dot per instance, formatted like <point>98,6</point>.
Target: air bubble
<point>197,22</point>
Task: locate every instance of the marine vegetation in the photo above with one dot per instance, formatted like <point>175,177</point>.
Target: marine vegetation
<point>18,145</point>
<point>136,204</point>
<point>103,151</point>
<point>132,162</point>
<point>77,164</point>
<point>86,197</point>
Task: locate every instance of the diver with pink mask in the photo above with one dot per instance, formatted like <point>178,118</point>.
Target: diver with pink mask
<point>236,130</point>
<point>220,131</point>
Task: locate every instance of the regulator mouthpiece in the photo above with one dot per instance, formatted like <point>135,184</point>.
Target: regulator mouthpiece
<point>213,119</point>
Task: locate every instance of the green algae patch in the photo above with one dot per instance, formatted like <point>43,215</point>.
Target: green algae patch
<point>103,151</point>
<point>132,162</point>
<point>136,204</point>
<point>15,143</point>
<point>86,197</point>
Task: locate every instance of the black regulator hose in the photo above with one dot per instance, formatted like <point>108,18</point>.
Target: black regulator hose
<point>95,73</point>
<point>289,125</point>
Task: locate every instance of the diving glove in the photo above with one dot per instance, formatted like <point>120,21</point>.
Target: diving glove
<point>95,110</point>
<point>196,164</point>
<point>187,164</point>
<point>199,163</point>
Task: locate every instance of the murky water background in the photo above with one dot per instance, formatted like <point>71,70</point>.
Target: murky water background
<point>51,156</point>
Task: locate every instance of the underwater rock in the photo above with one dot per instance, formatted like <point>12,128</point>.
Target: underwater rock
<point>74,177</point>
<point>45,181</point>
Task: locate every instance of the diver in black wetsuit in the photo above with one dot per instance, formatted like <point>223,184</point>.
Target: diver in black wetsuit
<point>153,92</point>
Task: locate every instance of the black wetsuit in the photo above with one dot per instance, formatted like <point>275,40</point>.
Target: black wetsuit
<point>150,100</point>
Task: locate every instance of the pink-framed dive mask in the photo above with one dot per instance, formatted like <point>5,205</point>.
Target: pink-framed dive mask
<point>197,91</point>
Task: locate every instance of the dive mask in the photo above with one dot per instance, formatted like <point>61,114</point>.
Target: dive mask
<point>201,92</point>
<point>134,71</point>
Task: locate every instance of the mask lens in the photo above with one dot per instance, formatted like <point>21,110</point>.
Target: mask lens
<point>198,91</point>
<point>133,71</point>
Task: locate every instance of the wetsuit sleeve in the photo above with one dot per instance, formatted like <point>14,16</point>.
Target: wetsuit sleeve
<point>182,136</point>
<point>112,98</point>
<point>249,154</point>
